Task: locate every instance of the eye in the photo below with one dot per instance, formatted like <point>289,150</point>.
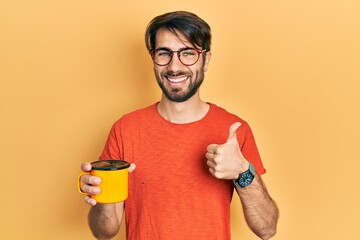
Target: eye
<point>188,53</point>
<point>163,53</point>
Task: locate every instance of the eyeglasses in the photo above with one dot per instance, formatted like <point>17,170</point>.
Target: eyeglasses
<point>187,56</point>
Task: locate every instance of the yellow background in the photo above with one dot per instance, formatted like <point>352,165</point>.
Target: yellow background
<point>69,69</point>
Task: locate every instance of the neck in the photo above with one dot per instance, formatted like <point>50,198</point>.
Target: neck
<point>189,111</point>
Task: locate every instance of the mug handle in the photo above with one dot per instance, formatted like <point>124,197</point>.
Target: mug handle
<point>79,183</point>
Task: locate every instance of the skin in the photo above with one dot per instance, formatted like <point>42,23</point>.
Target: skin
<point>225,161</point>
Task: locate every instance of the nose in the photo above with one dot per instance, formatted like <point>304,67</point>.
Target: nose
<point>175,64</point>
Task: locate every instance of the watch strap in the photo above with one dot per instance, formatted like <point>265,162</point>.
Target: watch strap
<point>245,178</point>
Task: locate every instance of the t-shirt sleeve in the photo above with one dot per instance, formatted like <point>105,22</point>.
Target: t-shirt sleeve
<point>113,149</point>
<point>250,150</point>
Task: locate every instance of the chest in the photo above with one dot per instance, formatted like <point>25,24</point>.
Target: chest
<point>171,157</point>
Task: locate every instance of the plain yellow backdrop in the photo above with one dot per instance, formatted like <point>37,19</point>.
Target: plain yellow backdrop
<point>69,69</point>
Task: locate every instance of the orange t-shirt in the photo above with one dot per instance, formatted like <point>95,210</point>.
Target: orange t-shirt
<point>172,195</point>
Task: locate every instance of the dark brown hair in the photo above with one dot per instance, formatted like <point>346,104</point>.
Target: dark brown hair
<point>196,30</point>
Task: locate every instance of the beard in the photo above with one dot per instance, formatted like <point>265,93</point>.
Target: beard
<point>178,94</point>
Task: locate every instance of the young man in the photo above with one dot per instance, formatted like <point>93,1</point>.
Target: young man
<point>189,155</point>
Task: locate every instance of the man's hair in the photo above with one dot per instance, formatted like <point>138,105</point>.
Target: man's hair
<point>196,30</point>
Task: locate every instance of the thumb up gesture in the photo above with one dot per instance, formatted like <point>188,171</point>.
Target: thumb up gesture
<point>225,161</point>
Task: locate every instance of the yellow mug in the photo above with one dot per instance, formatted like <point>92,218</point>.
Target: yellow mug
<point>114,180</point>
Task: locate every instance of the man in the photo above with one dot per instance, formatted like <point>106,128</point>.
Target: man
<point>189,155</point>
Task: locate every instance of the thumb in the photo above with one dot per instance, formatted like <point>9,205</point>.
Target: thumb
<point>232,130</point>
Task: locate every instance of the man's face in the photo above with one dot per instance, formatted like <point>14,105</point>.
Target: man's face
<point>177,81</point>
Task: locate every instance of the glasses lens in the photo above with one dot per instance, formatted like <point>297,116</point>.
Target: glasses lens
<point>162,57</point>
<point>189,56</point>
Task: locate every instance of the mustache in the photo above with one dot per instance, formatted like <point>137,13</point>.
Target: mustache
<point>174,74</point>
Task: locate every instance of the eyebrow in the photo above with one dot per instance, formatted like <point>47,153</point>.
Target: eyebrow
<point>168,49</point>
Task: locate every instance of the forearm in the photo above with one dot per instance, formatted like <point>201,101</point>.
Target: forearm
<point>104,220</point>
<point>260,211</point>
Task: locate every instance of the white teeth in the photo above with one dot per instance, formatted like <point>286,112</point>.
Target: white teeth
<point>177,80</point>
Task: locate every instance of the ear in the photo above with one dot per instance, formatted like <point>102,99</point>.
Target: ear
<point>207,61</point>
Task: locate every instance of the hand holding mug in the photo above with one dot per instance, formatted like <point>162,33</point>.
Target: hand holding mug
<point>104,181</point>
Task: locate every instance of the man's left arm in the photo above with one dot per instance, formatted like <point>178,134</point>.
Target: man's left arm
<point>260,210</point>
<point>226,161</point>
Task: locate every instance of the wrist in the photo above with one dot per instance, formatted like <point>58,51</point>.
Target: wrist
<point>244,166</point>
<point>246,177</point>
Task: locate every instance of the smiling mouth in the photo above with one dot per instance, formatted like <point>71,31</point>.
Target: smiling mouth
<point>177,80</point>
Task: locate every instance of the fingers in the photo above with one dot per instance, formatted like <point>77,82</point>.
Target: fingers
<point>90,201</point>
<point>90,183</point>
<point>216,169</point>
<point>215,164</point>
<point>86,167</point>
<point>212,163</point>
<point>89,179</point>
<point>89,186</point>
<point>212,148</point>
<point>132,167</point>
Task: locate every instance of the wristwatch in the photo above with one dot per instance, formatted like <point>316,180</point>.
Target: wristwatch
<point>245,178</point>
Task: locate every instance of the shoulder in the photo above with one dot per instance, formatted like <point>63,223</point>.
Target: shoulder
<point>140,112</point>
<point>129,124</point>
<point>222,119</point>
<point>137,115</point>
<point>223,115</point>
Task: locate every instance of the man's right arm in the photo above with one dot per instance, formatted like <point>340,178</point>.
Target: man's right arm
<point>105,219</point>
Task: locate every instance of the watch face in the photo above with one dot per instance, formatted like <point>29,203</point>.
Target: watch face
<point>246,179</point>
